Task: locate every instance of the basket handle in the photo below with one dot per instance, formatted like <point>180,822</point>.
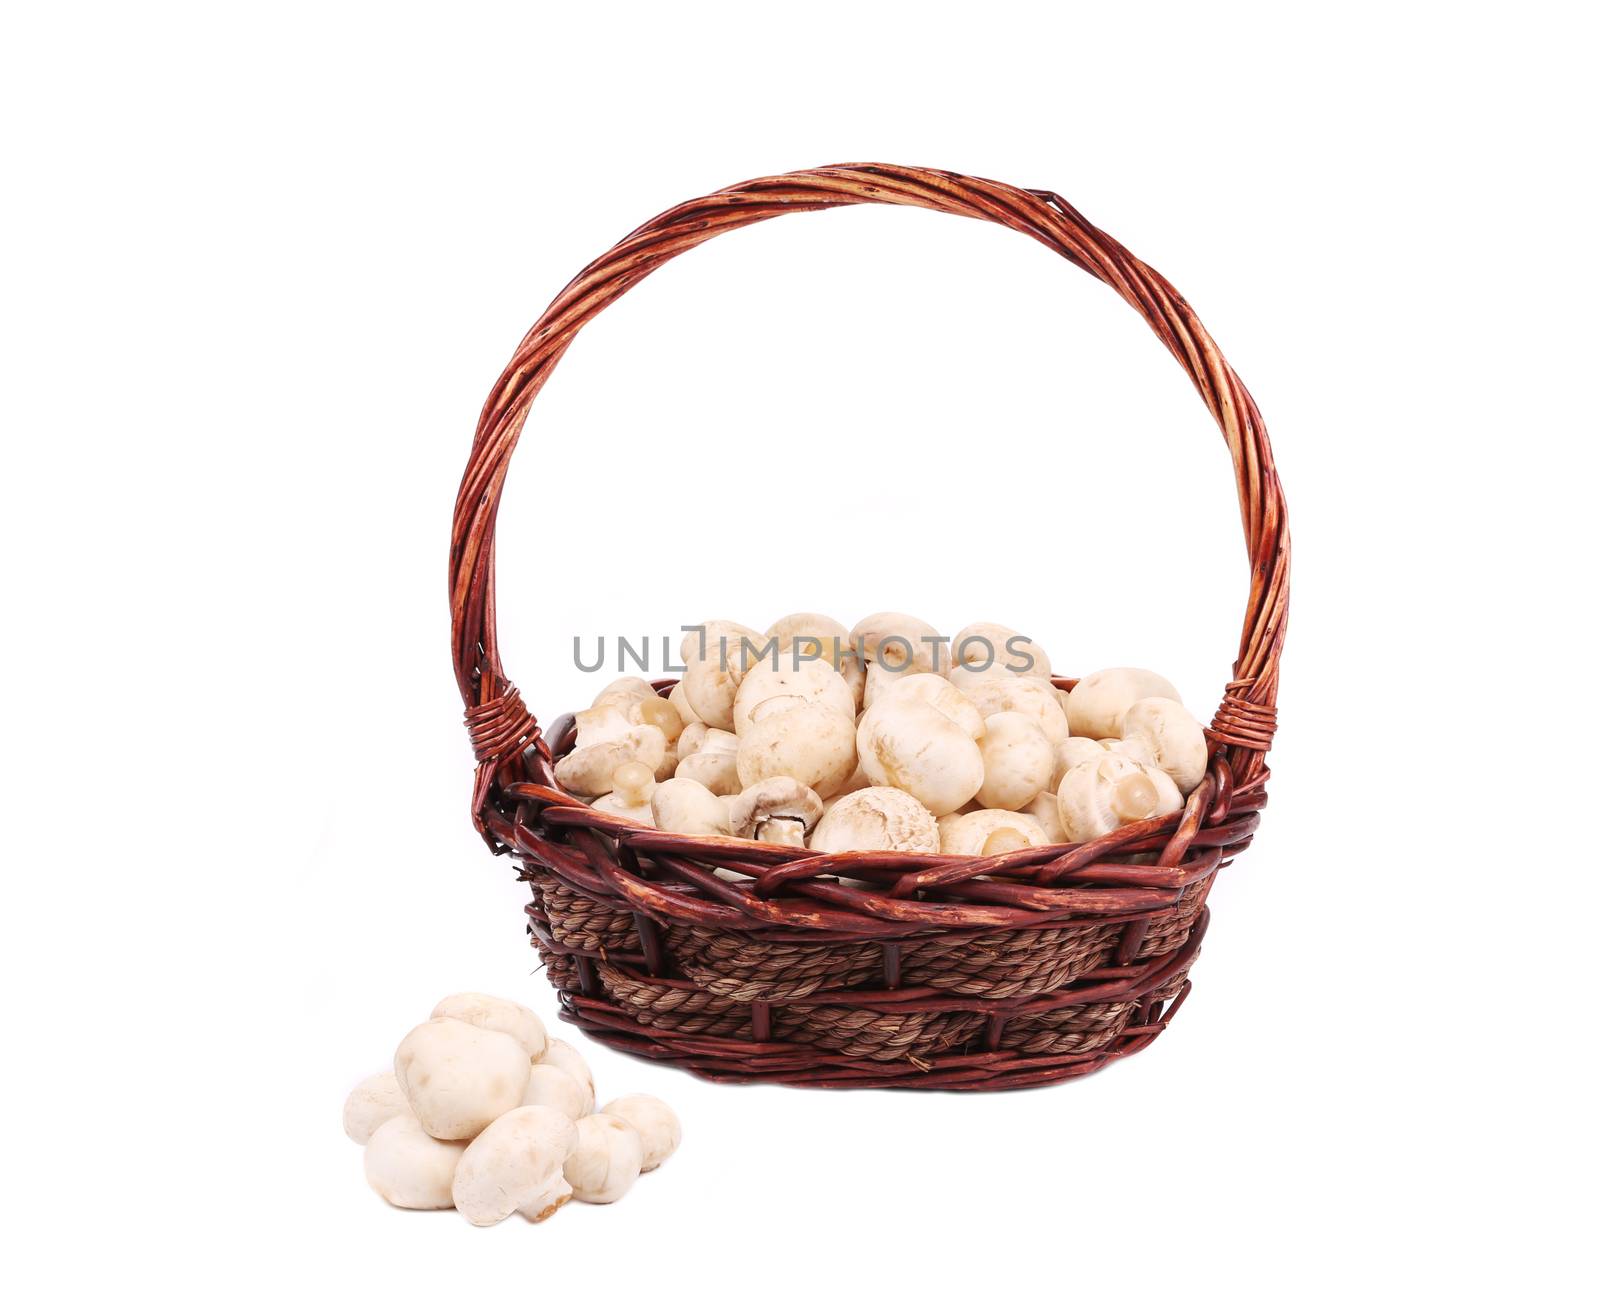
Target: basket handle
<point>501,726</point>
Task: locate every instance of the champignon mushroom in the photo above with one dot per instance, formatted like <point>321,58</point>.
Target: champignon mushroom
<point>498,1016</point>
<point>632,785</point>
<point>590,770</point>
<point>776,810</point>
<point>510,1162</point>
<point>599,724</point>
<point>936,692</point>
<point>989,832</point>
<point>684,806</point>
<point>457,1078</point>
<point>623,691</point>
<point>715,658</point>
<point>1073,750</point>
<point>549,1196</point>
<point>982,644</point>
<point>607,1160</point>
<point>811,681</point>
<point>1097,703</point>
<point>1163,733</point>
<point>1097,796</point>
<point>1005,692</point>
<point>801,636</point>
<point>916,748</point>
<point>1018,761</point>
<point>659,1130</point>
<point>559,1054</point>
<point>1046,810</point>
<point>901,643</point>
<point>409,1168</point>
<point>371,1104</point>
<point>679,700</point>
<point>876,819</point>
<point>714,762</point>
<point>814,743</point>
<point>558,1090</point>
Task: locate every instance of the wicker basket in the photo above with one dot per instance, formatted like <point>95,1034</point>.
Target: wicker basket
<point>1055,962</point>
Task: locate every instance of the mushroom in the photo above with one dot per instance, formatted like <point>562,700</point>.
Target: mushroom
<point>802,636</point>
<point>982,644</point>
<point>901,643</point>
<point>1018,761</point>
<point>557,1089</point>
<point>409,1168</point>
<point>511,1162</point>
<point>811,681</point>
<point>1096,704</point>
<point>776,810</point>
<point>877,819</point>
<point>546,1199</point>
<point>714,762</point>
<point>715,658</point>
<point>592,768</point>
<point>926,688</point>
<point>457,1078</point>
<point>1046,810</point>
<point>498,1016</point>
<point>1071,751</point>
<point>1163,733</point>
<point>679,700</point>
<point>1097,796</point>
<point>916,748</point>
<point>684,806</point>
<point>1004,692</point>
<point>632,785</point>
<point>989,832</point>
<point>599,724</point>
<point>659,1130</point>
<point>814,743</point>
<point>606,1161</point>
<point>624,691</point>
<point>561,1055</point>
<point>372,1103</point>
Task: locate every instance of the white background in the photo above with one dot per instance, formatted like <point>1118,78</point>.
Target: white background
<point>262,265</point>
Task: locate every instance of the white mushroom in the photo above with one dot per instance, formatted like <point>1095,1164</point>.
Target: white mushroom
<point>557,1089</point>
<point>409,1168</point>
<point>878,819</point>
<point>590,770</point>
<point>1005,692</point>
<point>936,692</point>
<point>917,748</point>
<point>812,681</point>
<point>547,1197</point>
<point>607,1160</point>
<point>715,658</point>
<point>1097,703</point>
<point>562,1055</point>
<point>372,1103</point>
<point>776,810</point>
<point>989,832</point>
<point>800,636</point>
<point>510,1162</point>
<point>632,786</point>
<point>1163,733</point>
<point>813,743</point>
<point>1018,761</point>
<point>599,724</point>
<point>901,643</point>
<point>1098,796</point>
<point>498,1016</point>
<point>624,690</point>
<point>714,764</point>
<point>982,644</point>
<point>1046,810</point>
<point>1071,751</point>
<point>684,806</point>
<point>679,700</point>
<point>658,1127</point>
<point>457,1078</point>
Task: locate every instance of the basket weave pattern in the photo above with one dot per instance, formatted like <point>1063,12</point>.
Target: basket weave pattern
<point>865,969</point>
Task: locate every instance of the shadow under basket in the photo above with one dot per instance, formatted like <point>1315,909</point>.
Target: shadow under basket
<point>750,962</point>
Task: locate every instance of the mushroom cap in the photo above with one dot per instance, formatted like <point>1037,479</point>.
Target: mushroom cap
<point>711,690</point>
<point>589,770</point>
<point>900,641</point>
<point>679,700</point>
<point>546,1199</point>
<point>777,797</point>
<point>1097,796</point>
<point>1003,691</point>
<point>1018,761</point>
<point>658,1127</point>
<point>814,743</point>
<point>552,1088</point>
<point>685,806</point>
<point>915,747</point>
<point>599,724</point>
<point>713,766</point>
<point>409,1168</point>
<point>691,738</point>
<point>498,1016</point>
<point>877,819</point>
<point>624,690</point>
<point>819,635</point>
<point>811,681</point>
<point>1073,750</point>
<point>1163,733</point>
<point>633,785</point>
<point>936,692</point>
<point>560,1054</point>
<point>607,1160</point>
<point>372,1103</point>
<point>510,1161</point>
<point>1046,810</point>
<point>720,641</point>
<point>1097,703</point>
<point>458,1078</point>
<point>974,834</point>
<point>981,644</point>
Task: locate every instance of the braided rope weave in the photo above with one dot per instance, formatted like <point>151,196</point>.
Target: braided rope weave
<point>865,970</point>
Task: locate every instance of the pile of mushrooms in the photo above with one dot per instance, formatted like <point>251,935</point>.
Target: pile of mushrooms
<point>487,1115</point>
<point>883,737</point>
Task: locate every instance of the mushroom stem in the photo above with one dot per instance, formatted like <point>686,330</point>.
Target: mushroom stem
<point>784,830</point>
<point>1003,840</point>
<point>1134,797</point>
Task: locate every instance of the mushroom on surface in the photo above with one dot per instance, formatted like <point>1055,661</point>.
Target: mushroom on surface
<point>546,1199</point>
<point>814,743</point>
<point>559,1054</point>
<point>901,643</point>
<point>812,681</point>
<point>498,1016</point>
<point>916,748</point>
<point>409,1168</point>
<point>989,832</point>
<point>632,786</point>
<point>936,692</point>
<point>1018,761</point>
<point>458,1078</point>
<point>510,1163</point>
<point>1097,703</point>
<point>684,806</point>
<point>556,1089</point>
<point>877,819</point>
<point>606,1161</point>
<point>1006,692</point>
<point>1073,750</point>
<point>980,645</point>
<point>1097,796</point>
<point>590,770</point>
<point>1163,733</point>
<point>776,810</point>
<point>659,1130</point>
<point>372,1103</point>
